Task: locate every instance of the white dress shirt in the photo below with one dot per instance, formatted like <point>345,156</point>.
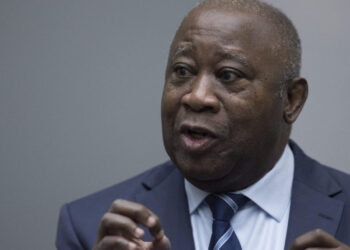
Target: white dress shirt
<point>262,223</point>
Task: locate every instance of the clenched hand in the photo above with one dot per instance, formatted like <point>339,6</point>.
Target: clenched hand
<point>119,228</point>
<point>318,239</point>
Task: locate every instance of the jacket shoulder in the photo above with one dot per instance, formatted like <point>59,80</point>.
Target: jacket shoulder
<point>318,175</point>
<point>342,178</point>
<point>101,200</point>
<point>80,218</point>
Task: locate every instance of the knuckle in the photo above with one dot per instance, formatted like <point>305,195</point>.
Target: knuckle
<point>117,204</point>
<point>156,219</point>
<point>297,242</point>
<point>122,224</point>
<point>318,235</point>
<point>105,220</point>
<point>107,242</point>
<point>319,231</point>
<point>119,241</point>
<point>116,224</point>
<point>114,242</point>
<point>140,212</point>
<point>126,225</point>
<point>141,208</point>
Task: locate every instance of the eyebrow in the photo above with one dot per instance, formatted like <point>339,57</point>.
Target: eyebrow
<point>182,49</point>
<point>235,55</point>
<point>229,53</point>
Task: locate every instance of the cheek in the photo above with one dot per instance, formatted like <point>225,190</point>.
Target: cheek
<point>171,102</point>
<point>256,120</point>
<point>255,103</point>
<point>241,111</point>
<point>248,116</point>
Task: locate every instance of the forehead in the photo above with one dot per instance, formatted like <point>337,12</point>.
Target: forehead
<point>208,36</point>
<point>226,30</point>
<point>226,25</point>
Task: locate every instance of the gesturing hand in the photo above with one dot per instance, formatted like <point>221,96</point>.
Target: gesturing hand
<point>119,228</point>
<point>318,239</point>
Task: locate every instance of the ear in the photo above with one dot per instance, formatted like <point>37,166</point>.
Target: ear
<point>296,95</point>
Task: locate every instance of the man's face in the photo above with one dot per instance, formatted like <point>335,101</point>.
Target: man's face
<point>222,115</point>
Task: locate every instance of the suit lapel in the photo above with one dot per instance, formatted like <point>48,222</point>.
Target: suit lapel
<point>312,202</point>
<point>164,194</point>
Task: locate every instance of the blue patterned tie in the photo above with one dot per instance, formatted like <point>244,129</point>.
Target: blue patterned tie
<point>223,207</point>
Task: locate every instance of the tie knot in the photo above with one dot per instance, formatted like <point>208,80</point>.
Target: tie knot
<point>224,206</point>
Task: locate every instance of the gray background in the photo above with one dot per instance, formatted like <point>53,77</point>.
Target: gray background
<point>80,87</point>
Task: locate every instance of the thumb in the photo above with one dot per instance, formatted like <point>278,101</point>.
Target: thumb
<point>162,243</point>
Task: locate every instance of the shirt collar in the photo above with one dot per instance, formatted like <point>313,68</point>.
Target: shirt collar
<point>272,193</point>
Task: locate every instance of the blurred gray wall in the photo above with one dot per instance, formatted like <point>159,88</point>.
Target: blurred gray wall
<point>80,88</point>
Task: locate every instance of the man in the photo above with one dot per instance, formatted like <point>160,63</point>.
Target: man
<point>232,92</point>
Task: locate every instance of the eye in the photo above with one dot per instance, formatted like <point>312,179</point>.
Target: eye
<point>228,75</point>
<point>182,71</point>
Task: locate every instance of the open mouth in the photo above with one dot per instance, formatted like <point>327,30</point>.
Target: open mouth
<point>196,134</point>
<point>196,131</point>
<point>196,138</point>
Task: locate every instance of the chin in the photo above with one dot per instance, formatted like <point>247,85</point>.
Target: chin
<point>202,168</point>
<point>213,174</point>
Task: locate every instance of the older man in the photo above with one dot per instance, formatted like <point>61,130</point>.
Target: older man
<point>235,181</point>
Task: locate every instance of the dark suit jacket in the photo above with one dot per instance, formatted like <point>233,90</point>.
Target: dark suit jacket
<point>320,199</point>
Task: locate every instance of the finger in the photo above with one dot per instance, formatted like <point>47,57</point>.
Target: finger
<point>323,248</point>
<point>115,224</point>
<point>315,239</point>
<point>161,244</point>
<point>156,244</point>
<point>115,243</point>
<point>140,214</point>
<point>155,227</point>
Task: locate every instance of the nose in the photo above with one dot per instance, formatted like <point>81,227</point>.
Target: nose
<point>202,96</point>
